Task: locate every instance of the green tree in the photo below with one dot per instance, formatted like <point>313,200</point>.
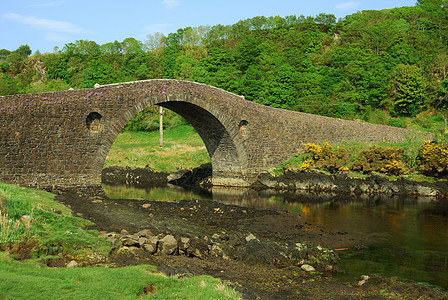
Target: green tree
<point>408,90</point>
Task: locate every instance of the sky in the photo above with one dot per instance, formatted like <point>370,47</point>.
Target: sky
<point>46,24</point>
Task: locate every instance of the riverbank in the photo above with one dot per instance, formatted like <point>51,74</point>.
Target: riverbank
<point>289,182</point>
<point>260,252</point>
<point>314,181</point>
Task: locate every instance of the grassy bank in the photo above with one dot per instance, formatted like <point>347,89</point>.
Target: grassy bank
<point>50,232</point>
<point>182,149</point>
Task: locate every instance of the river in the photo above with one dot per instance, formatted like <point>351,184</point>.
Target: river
<point>407,238</point>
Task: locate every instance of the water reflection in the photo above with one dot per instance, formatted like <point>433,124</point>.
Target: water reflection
<point>405,237</point>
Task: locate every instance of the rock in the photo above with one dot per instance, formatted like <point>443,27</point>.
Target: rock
<point>129,241</point>
<point>150,244</point>
<point>184,244</point>
<point>308,268</point>
<point>144,233</point>
<point>150,248</point>
<point>27,219</point>
<point>251,237</point>
<point>168,245</point>
<point>112,240</point>
<point>72,264</point>
<point>426,191</point>
<point>364,279</point>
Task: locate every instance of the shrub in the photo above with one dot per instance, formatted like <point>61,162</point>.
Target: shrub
<point>325,157</point>
<point>395,122</point>
<point>433,159</point>
<point>386,160</point>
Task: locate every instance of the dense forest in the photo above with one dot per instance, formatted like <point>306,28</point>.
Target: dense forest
<point>388,64</point>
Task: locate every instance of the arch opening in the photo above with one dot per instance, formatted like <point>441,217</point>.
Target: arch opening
<point>221,149</point>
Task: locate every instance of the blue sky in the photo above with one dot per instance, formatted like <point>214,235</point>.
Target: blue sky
<point>44,24</point>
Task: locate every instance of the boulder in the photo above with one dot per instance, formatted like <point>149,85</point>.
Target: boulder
<point>168,245</point>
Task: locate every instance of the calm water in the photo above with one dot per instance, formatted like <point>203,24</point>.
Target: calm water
<point>405,237</point>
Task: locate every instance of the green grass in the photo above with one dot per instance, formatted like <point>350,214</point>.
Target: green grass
<point>55,233</point>
<point>30,280</point>
<point>182,149</point>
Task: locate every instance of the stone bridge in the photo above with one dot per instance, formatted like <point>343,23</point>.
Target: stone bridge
<point>61,139</point>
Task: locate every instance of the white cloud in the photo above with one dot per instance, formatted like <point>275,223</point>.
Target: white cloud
<point>45,24</point>
<point>170,3</point>
<point>347,5</point>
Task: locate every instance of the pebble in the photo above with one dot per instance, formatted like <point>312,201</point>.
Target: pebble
<point>308,268</point>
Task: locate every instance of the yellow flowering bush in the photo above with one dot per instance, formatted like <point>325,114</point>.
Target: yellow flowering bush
<point>394,167</point>
<point>306,164</point>
<point>433,159</point>
<point>325,157</point>
<point>388,160</point>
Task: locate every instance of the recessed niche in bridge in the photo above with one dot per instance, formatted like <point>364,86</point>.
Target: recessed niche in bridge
<point>242,127</point>
<point>93,122</point>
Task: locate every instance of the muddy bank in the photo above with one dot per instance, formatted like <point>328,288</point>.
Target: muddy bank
<point>373,185</point>
<point>259,252</point>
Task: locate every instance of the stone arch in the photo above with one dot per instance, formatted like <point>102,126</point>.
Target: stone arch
<point>218,131</point>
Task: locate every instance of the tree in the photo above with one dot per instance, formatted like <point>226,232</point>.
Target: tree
<point>24,51</point>
<point>132,46</point>
<point>408,90</point>
<point>156,42</point>
<point>4,54</point>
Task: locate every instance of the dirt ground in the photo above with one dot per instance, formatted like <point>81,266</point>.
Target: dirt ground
<point>258,252</point>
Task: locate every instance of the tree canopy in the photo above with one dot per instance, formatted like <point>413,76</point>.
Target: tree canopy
<point>395,60</point>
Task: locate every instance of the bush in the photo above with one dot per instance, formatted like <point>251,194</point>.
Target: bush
<point>379,117</point>
<point>325,157</point>
<point>386,160</point>
<point>433,159</point>
<point>395,122</point>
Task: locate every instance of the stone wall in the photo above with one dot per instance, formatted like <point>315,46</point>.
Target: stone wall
<point>62,138</point>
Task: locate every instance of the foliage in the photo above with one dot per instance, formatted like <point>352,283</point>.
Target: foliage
<point>148,120</point>
<point>408,89</point>
<point>326,157</point>
<point>388,160</point>
<point>433,159</point>
<point>391,61</point>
